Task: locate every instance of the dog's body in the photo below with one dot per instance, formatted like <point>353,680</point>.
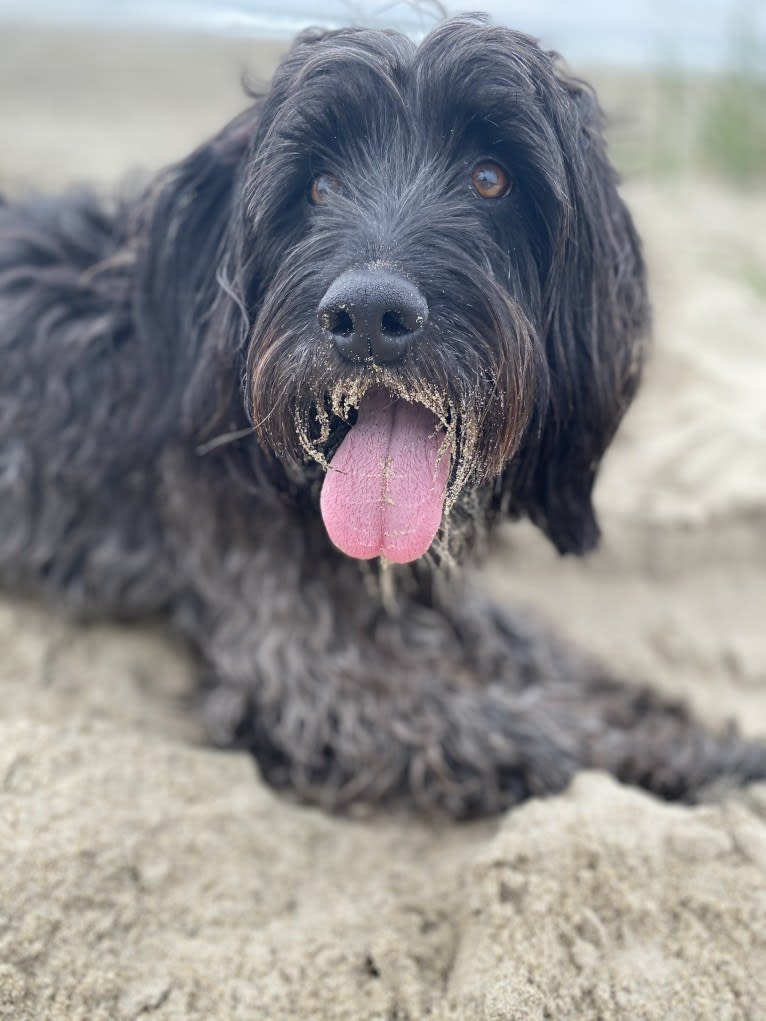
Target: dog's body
<point>177,373</point>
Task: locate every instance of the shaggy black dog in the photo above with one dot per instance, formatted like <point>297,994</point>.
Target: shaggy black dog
<point>282,393</point>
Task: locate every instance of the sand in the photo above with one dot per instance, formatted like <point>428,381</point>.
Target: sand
<point>145,876</point>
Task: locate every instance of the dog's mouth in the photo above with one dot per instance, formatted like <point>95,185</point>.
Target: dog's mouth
<point>398,452</point>
<point>386,484</point>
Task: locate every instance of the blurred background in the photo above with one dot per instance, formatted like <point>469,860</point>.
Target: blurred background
<point>684,81</point>
<point>109,91</point>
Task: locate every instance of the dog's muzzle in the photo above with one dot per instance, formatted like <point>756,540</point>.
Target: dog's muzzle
<point>372,314</point>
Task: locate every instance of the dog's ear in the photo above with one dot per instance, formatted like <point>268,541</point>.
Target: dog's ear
<point>189,306</point>
<point>595,323</point>
<point>185,220</point>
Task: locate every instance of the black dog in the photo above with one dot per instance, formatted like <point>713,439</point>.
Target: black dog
<point>396,301</point>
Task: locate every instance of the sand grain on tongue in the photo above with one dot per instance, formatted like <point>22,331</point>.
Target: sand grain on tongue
<point>384,493</point>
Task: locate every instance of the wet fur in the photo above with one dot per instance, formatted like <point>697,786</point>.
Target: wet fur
<point>168,407</point>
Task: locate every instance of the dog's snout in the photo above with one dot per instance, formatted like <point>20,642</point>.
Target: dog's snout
<point>372,313</point>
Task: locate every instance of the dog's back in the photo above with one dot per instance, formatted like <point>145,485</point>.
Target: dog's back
<point>72,485</point>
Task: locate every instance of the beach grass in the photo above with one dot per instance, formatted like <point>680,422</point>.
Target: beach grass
<point>712,125</point>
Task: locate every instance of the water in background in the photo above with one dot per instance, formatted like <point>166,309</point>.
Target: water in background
<point>687,33</point>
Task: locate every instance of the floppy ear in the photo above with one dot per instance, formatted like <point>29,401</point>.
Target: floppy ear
<point>596,318</point>
<point>183,229</point>
<point>190,305</point>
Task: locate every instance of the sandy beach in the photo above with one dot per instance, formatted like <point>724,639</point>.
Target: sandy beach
<point>143,875</point>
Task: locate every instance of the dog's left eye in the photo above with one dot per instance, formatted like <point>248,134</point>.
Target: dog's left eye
<point>322,188</point>
<point>490,181</point>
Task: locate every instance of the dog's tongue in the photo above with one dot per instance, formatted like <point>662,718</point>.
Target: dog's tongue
<point>384,493</point>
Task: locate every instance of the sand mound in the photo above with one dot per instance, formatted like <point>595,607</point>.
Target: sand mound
<point>141,878</point>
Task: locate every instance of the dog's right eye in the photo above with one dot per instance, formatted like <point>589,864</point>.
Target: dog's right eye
<point>322,188</point>
<point>490,181</point>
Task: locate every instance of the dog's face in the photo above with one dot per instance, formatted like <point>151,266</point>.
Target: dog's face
<point>406,256</point>
<point>442,292</point>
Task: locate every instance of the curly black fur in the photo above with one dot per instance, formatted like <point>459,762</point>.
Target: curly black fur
<point>168,404</point>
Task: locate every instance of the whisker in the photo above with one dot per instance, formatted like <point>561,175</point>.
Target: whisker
<point>223,440</point>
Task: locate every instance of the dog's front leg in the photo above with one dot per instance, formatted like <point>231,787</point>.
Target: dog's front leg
<point>632,731</point>
<point>341,700</point>
<point>440,698</point>
<point>467,712</point>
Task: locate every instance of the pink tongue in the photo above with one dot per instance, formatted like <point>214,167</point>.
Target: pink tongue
<point>384,493</point>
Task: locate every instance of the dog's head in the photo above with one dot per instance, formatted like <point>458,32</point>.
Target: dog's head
<point>425,277</point>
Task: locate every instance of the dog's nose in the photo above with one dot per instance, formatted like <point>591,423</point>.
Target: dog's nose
<point>372,313</point>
